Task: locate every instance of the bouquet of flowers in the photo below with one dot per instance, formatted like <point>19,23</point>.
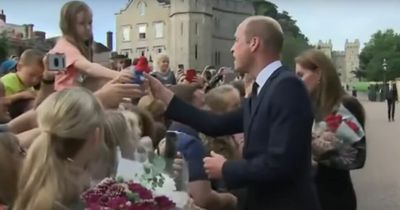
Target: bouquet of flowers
<point>121,195</point>
<point>156,185</point>
<point>343,124</point>
<point>334,137</point>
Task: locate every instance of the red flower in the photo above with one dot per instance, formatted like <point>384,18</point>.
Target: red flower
<point>117,203</point>
<point>353,126</point>
<point>333,121</point>
<point>164,203</point>
<point>144,193</point>
<point>110,194</point>
<point>143,206</point>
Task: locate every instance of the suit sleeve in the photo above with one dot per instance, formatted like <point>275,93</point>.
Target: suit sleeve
<point>203,121</point>
<point>288,156</point>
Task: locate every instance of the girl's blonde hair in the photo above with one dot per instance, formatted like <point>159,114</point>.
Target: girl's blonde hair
<point>160,58</point>
<point>10,159</point>
<point>68,22</point>
<point>116,133</point>
<point>66,119</point>
<point>217,99</point>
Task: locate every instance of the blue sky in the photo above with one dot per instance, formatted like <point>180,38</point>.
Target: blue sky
<point>318,19</point>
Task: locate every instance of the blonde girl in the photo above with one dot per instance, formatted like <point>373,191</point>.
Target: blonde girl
<point>52,177</point>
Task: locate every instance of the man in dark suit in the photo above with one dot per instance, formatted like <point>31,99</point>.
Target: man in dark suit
<point>391,98</point>
<point>276,119</point>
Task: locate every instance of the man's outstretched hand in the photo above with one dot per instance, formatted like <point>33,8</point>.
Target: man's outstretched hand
<point>158,90</point>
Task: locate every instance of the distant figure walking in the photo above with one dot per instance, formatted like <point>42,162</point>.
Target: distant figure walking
<point>391,98</point>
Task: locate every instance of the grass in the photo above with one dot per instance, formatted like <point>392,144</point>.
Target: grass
<point>361,86</point>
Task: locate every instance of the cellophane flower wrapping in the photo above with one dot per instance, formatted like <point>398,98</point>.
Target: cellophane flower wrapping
<point>343,124</point>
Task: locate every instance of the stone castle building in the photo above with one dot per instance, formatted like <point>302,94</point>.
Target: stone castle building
<point>345,61</point>
<point>194,33</point>
<point>22,37</point>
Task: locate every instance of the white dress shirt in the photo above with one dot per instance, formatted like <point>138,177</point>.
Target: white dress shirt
<point>264,75</point>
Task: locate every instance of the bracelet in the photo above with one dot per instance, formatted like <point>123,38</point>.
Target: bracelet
<point>48,82</point>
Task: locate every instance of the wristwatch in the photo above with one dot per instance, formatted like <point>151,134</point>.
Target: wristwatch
<point>48,82</point>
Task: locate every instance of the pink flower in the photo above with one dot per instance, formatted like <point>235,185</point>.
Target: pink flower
<point>144,193</point>
<point>164,203</point>
<point>117,203</point>
<point>143,206</point>
<point>110,194</point>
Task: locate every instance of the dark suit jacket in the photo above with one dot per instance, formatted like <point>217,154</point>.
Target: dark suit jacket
<point>276,165</point>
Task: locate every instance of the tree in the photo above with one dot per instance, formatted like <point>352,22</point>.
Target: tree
<point>4,46</point>
<point>382,45</point>
<point>295,41</point>
<point>359,73</point>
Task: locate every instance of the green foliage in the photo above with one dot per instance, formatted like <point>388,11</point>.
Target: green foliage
<point>359,73</point>
<point>382,45</point>
<point>152,176</point>
<point>295,41</point>
<point>4,47</point>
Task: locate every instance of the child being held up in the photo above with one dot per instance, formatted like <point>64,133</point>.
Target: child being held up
<point>19,86</point>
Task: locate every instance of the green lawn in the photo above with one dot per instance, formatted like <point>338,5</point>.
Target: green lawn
<point>361,86</point>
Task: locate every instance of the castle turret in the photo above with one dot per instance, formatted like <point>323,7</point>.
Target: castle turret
<point>3,16</point>
<point>191,23</point>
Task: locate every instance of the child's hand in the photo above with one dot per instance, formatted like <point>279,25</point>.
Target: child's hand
<point>125,76</point>
<point>28,94</point>
<point>47,74</point>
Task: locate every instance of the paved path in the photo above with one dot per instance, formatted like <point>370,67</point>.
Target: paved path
<point>378,183</point>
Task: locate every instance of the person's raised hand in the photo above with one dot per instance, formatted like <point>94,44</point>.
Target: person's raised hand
<point>125,76</point>
<point>113,93</point>
<point>48,74</point>
<point>158,90</point>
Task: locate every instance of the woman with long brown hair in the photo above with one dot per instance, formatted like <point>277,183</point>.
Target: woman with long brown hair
<point>333,181</point>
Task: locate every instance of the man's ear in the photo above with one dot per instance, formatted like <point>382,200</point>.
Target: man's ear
<point>19,66</point>
<point>255,43</point>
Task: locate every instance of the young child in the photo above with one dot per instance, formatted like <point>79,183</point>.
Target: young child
<point>76,44</point>
<point>19,85</point>
<point>164,73</point>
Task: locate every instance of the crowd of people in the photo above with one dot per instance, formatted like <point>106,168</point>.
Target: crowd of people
<point>247,135</point>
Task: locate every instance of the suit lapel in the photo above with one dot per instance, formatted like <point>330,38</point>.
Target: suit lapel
<point>261,95</point>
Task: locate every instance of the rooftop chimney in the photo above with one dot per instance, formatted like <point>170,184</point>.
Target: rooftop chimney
<point>3,16</point>
<point>110,40</point>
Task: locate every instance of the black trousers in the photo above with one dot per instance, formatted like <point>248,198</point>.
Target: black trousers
<point>391,108</point>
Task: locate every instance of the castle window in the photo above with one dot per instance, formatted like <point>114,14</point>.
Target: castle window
<point>142,31</point>
<point>216,22</point>
<point>181,28</point>
<point>126,33</point>
<point>195,52</point>
<point>141,51</point>
<point>159,29</point>
<point>217,58</point>
<point>142,8</point>
<point>196,29</point>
